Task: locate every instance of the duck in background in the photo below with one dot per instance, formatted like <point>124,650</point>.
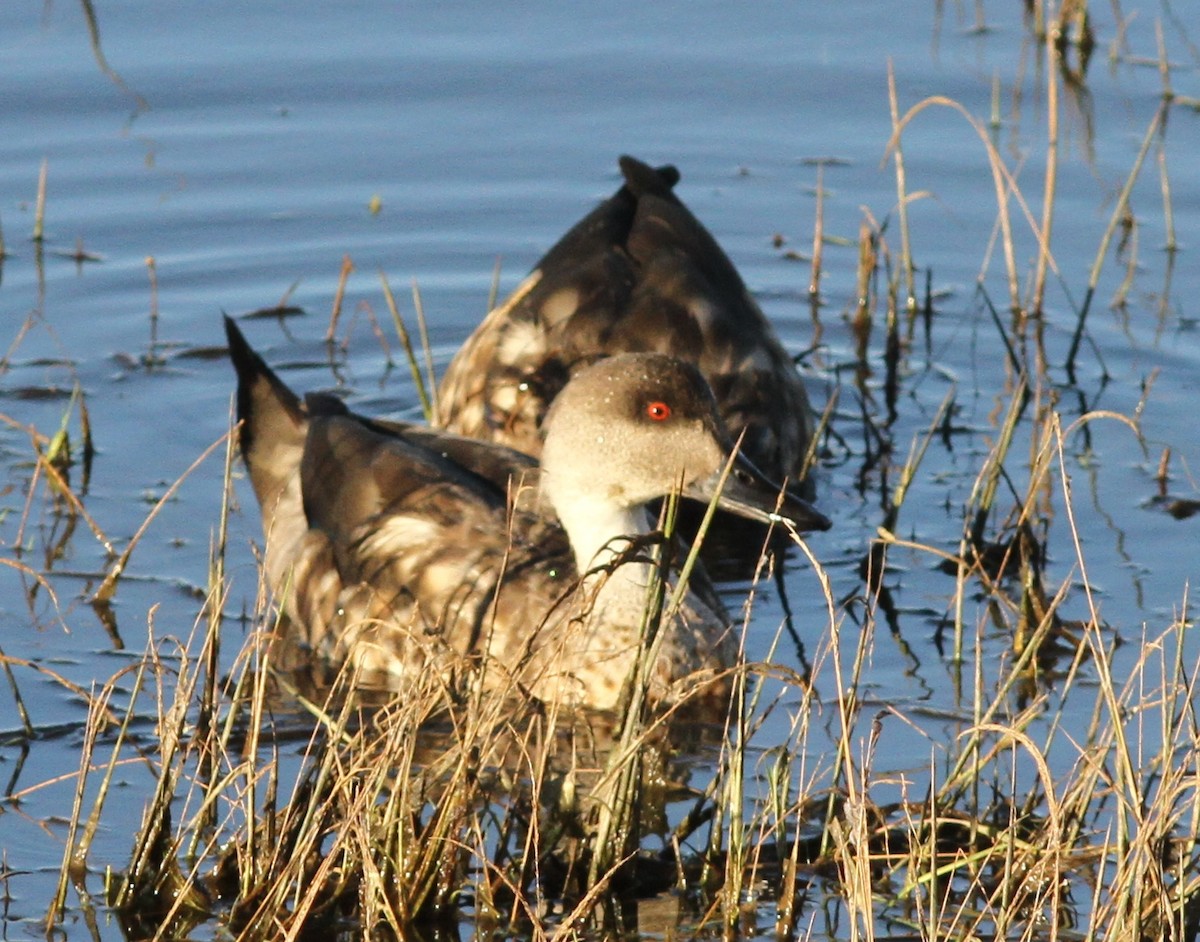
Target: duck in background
<point>639,273</point>
<point>399,550</point>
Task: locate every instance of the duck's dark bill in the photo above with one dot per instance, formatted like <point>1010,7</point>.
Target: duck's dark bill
<point>747,493</point>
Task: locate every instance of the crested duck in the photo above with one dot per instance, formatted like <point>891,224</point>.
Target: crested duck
<point>397,549</point>
<point>638,273</point>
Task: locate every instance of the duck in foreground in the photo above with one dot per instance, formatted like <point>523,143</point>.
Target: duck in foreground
<point>397,549</point>
<point>639,273</point>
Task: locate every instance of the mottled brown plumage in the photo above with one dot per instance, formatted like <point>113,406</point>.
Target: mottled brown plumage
<point>638,274</point>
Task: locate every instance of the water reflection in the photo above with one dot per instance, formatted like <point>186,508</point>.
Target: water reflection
<point>93,29</point>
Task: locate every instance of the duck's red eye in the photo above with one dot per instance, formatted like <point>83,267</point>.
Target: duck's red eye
<point>658,411</point>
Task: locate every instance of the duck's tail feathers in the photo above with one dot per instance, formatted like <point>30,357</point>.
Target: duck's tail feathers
<point>262,396</point>
<point>274,426</point>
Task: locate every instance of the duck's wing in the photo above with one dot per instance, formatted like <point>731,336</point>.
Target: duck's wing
<point>407,550</point>
<point>388,507</point>
<point>639,273</point>
<point>509,471</point>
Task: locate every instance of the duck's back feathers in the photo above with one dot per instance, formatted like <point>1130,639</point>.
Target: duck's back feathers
<point>638,273</point>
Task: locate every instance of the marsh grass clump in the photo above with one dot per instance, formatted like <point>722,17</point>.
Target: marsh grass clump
<point>413,814</point>
<point>284,810</point>
<point>399,813</point>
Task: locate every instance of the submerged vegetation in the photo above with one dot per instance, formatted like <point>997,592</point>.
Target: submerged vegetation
<point>1059,799</point>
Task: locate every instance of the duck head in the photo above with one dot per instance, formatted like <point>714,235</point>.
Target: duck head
<point>635,427</point>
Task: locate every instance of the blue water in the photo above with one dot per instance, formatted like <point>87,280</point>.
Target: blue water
<point>241,146</point>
